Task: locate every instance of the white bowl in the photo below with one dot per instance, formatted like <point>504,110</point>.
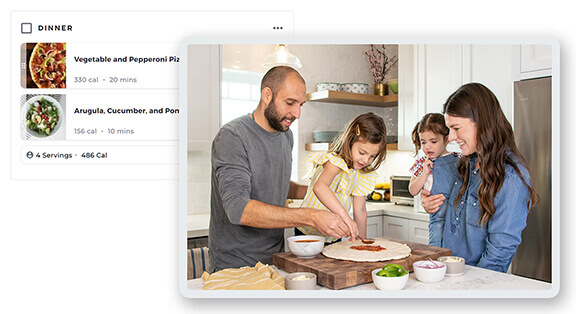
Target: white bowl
<point>327,86</point>
<point>389,283</point>
<point>306,246</point>
<point>429,275</point>
<point>308,284</point>
<point>359,88</point>
<point>26,108</point>
<point>454,265</point>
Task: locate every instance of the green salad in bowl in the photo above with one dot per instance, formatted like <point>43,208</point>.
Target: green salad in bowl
<point>43,116</point>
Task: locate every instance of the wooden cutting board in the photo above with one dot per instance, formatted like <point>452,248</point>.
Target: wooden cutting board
<point>338,274</point>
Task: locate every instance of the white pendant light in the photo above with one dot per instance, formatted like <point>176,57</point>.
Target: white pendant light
<point>281,56</point>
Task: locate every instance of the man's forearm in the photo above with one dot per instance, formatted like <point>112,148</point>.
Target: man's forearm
<point>262,215</point>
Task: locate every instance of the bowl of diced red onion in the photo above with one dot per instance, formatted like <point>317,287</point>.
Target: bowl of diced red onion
<point>429,271</point>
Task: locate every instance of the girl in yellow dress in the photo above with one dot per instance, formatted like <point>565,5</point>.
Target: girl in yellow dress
<point>344,175</point>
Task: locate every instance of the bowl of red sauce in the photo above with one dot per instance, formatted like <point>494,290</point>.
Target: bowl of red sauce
<point>306,246</point>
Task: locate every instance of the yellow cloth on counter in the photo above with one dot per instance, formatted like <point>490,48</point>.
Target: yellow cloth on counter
<point>259,277</point>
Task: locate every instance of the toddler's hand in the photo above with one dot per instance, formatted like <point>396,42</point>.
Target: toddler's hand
<point>427,166</point>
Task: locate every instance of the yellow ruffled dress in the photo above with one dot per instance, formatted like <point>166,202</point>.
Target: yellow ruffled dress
<point>348,183</point>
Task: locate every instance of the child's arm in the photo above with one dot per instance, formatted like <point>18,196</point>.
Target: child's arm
<point>417,183</point>
<point>326,196</point>
<point>360,214</point>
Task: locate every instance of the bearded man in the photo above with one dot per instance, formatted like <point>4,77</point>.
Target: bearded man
<point>251,166</point>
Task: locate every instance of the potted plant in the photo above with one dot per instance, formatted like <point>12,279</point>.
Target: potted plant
<point>380,65</point>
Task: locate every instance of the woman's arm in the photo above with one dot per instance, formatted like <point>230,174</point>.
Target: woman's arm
<point>360,214</point>
<point>325,194</point>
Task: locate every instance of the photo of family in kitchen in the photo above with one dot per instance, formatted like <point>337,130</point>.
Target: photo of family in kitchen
<point>370,167</point>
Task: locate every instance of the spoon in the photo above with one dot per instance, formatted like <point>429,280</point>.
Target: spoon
<point>367,241</point>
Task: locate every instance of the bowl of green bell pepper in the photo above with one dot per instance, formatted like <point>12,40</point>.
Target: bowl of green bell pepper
<point>390,277</point>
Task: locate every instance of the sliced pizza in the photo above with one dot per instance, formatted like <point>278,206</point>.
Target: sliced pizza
<point>48,65</point>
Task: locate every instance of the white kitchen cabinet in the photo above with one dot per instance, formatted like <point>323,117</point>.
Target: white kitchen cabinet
<point>395,227</point>
<point>535,61</point>
<point>418,231</point>
<point>374,226</point>
<point>203,96</point>
<point>405,229</point>
<point>429,74</point>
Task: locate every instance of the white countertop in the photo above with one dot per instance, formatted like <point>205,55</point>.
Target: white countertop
<point>391,209</point>
<point>198,224</point>
<point>474,278</point>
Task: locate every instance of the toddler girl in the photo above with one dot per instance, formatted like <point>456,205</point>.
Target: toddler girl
<point>431,135</point>
<point>344,175</point>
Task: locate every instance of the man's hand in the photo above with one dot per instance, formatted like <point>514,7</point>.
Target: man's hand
<point>431,203</point>
<point>330,224</point>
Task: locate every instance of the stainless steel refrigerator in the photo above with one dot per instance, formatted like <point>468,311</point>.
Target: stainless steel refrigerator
<point>533,132</point>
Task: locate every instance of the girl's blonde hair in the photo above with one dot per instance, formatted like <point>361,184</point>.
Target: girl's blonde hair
<point>368,127</point>
<point>433,122</point>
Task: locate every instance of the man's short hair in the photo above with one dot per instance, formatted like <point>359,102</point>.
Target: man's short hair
<point>275,77</point>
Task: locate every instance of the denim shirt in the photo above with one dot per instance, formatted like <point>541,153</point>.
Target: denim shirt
<point>445,173</point>
<point>493,245</point>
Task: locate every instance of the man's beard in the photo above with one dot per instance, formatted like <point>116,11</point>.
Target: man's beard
<point>274,118</point>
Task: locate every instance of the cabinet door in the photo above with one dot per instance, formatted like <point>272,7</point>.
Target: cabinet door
<point>395,227</point>
<point>418,231</point>
<point>442,74</point>
<point>202,96</point>
<point>427,75</point>
<point>536,61</point>
<point>496,67</point>
<point>374,226</point>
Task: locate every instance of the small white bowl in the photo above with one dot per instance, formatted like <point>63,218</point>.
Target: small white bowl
<point>389,283</point>
<point>307,284</point>
<point>306,246</point>
<point>429,275</point>
<point>322,86</point>
<point>359,88</point>
<point>454,265</point>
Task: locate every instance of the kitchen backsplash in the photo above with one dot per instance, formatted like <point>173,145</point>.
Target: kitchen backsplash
<point>198,183</point>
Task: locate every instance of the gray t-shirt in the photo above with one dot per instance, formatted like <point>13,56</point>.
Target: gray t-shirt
<point>248,163</point>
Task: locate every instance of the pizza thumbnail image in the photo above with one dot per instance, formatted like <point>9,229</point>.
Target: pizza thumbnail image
<point>47,65</point>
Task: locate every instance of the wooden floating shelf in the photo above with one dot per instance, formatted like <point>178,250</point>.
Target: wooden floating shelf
<point>354,98</point>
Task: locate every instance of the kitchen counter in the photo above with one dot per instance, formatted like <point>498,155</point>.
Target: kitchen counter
<point>476,282</point>
<point>391,209</point>
<point>197,225</point>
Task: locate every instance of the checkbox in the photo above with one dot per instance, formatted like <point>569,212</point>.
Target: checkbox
<point>26,28</point>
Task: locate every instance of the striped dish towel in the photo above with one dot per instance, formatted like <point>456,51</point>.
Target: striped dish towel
<point>259,277</point>
<point>198,262</point>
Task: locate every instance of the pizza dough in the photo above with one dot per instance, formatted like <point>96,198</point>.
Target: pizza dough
<point>342,251</point>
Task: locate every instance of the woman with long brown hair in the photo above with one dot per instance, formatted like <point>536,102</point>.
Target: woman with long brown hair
<point>489,202</point>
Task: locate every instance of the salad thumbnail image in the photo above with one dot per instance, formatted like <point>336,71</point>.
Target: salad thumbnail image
<point>43,116</point>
